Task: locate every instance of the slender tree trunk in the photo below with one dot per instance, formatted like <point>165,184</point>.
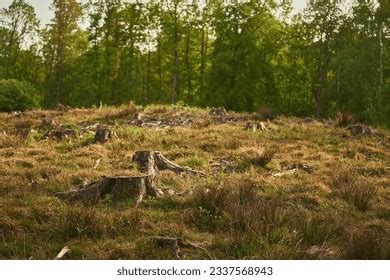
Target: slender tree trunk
<point>203,56</point>
<point>380,70</point>
<point>148,77</point>
<point>159,70</point>
<point>59,70</point>
<point>322,79</point>
<point>176,56</point>
<point>188,66</point>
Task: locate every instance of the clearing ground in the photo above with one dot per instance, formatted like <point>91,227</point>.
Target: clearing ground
<point>283,188</point>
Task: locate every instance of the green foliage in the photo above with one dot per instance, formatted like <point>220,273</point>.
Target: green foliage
<point>17,96</point>
<point>242,56</point>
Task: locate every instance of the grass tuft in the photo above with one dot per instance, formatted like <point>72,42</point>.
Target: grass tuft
<point>348,186</point>
<point>259,156</point>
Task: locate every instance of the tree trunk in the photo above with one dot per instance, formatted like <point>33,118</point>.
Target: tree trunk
<point>159,70</point>
<point>124,187</point>
<point>189,85</point>
<point>322,80</point>
<point>59,70</point>
<point>380,70</point>
<point>176,56</point>
<point>103,134</point>
<point>203,55</point>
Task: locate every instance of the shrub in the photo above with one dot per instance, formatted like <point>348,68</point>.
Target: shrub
<point>17,96</point>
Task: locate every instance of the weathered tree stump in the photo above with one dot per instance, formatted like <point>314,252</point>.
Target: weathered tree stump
<point>122,187</point>
<point>47,122</point>
<point>255,126</point>
<point>178,244</point>
<point>152,161</point>
<point>137,119</point>
<point>103,134</point>
<point>221,112</point>
<point>61,133</point>
<point>361,130</point>
<point>119,187</point>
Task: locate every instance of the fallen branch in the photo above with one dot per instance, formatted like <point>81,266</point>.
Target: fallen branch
<point>62,253</point>
<point>97,163</point>
<point>288,172</point>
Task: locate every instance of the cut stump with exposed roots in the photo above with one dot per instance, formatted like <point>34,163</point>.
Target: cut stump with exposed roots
<point>150,162</point>
<point>119,187</point>
<point>126,187</point>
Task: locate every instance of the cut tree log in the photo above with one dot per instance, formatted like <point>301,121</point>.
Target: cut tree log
<point>119,187</point>
<point>152,161</point>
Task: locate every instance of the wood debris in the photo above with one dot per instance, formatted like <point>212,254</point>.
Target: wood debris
<point>178,244</point>
<point>62,253</point>
<point>255,126</point>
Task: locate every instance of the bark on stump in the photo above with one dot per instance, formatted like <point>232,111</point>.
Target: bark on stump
<point>61,133</point>
<point>120,187</point>
<point>103,134</point>
<point>221,112</point>
<point>152,161</point>
<point>255,126</point>
<point>360,130</point>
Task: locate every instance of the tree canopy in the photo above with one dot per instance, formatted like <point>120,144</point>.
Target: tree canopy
<point>242,55</point>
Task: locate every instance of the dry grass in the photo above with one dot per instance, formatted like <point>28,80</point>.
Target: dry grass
<point>352,189</point>
<point>240,211</point>
<point>259,156</point>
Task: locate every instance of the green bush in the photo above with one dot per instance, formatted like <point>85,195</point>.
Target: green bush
<point>17,96</point>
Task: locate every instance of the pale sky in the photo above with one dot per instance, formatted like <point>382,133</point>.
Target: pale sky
<point>44,14</point>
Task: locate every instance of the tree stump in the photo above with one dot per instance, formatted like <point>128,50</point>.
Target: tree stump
<point>103,134</point>
<point>119,187</point>
<point>255,126</point>
<point>61,133</point>
<point>360,130</point>
<point>122,187</point>
<point>152,161</point>
<point>47,122</point>
<point>221,112</point>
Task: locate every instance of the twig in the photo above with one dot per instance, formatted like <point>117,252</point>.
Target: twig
<point>62,253</point>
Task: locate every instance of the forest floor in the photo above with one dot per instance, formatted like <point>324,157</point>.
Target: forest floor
<point>302,189</point>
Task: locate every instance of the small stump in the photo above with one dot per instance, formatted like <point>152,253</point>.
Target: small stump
<point>103,134</point>
<point>119,187</point>
<point>221,112</point>
<point>61,133</point>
